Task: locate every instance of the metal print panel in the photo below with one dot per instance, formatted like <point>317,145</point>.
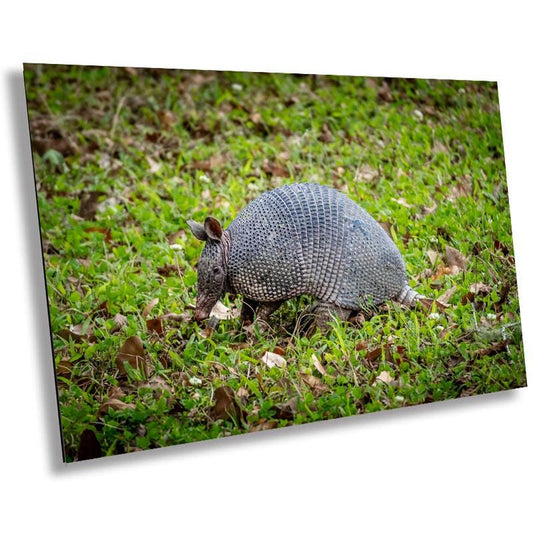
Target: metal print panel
<point>233,252</point>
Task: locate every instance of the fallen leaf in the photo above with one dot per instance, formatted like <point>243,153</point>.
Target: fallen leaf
<point>132,352</point>
<point>263,424</point>
<point>445,298</point>
<point>226,405</point>
<point>243,393</point>
<point>433,257</point>
<point>366,173</point>
<point>79,332</point>
<point>272,169</point>
<point>272,359</point>
<point>326,136</point>
<point>222,312</point>
<point>427,303</point>
<point>463,188</point>
<point>373,354</point>
<point>89,204</point>
<point>168,270</point>
<point>159,384</point>
<point>428,210</point>
<point>384,377</point>
<point>255,118</point>
<point>476,288</point>
<point>89,447</point>
<point>318,365</point>
<point>155,325</point>
<point>153,166</point>
<point>313,382</point>
<point>149,307</point>
<point>494,349</point>
<point>361,345</point>
<point>215,160</point>
<point>288,410</point>
<point>439,148</point>
<point>64,368</point>
<point>402,202</point>
<point>104,231</point>
<point>174,317</point>
<point>115,404</point>
<point>454,258</point>
<point>279,350</point>
<point>120,321</point>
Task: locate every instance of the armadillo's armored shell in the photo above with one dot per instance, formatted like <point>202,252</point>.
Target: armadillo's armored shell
<point>310,239</point>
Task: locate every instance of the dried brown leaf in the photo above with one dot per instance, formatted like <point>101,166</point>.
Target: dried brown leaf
<point>384,377</point>
<point>263,424</point>
<point>120,321</point>
<point>226,405</point>
<point>272,359</point>
<point>89,204</point>
<point>115,404</point>
<point>168,270</point>
<point>463,188</point>
<point>445,298</point>
<point>402,202</point>
<point>454,258</point>
<point>326,136</point>
<point>318,365</point>
<point>366,173</point>
<point>149,307</point>
<point>104,231</point>
<point>132,352</point>
<point>64,368</point>
<point>155,325</point>
<point>216,160</point>
<point>79,332</point>
<point>494,349</point>
<point>433,257</point>
<point>272,169</point>
<point>222,312</point>
<point>314,383</point>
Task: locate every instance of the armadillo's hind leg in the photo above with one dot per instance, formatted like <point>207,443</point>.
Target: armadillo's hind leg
<point>323,313</point>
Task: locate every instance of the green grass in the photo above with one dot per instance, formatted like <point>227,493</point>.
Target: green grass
<point>424,157</point>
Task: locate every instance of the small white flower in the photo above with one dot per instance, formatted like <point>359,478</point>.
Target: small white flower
<point>418,114</point>
<point>491,316</point>
<point>236,87</point>
<point>176,246</point>
<point>434,316</point>
<point>195,381</point>
<point>204,178</point>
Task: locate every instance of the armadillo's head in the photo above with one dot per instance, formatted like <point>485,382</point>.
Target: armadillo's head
<point>212,267</point>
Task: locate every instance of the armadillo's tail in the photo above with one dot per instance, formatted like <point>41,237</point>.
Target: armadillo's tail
<point>408,296</point>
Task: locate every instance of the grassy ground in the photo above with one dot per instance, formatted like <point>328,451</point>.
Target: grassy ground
<point>124,157</point>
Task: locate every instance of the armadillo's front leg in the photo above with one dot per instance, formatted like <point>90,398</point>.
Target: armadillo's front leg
<point>324,313</point>
<point>263,310</point>
<point>248,310</point>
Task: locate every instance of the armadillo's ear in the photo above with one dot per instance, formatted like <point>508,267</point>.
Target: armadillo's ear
<point>197,229</point>
<point>213,228</point>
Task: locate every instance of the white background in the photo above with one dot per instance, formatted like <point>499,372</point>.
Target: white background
<point>457,466</point>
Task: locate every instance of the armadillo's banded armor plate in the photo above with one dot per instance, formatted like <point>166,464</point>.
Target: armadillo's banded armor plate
<point>310,239</point>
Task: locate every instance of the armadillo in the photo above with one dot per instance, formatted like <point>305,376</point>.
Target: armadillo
<point>299,239</point>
